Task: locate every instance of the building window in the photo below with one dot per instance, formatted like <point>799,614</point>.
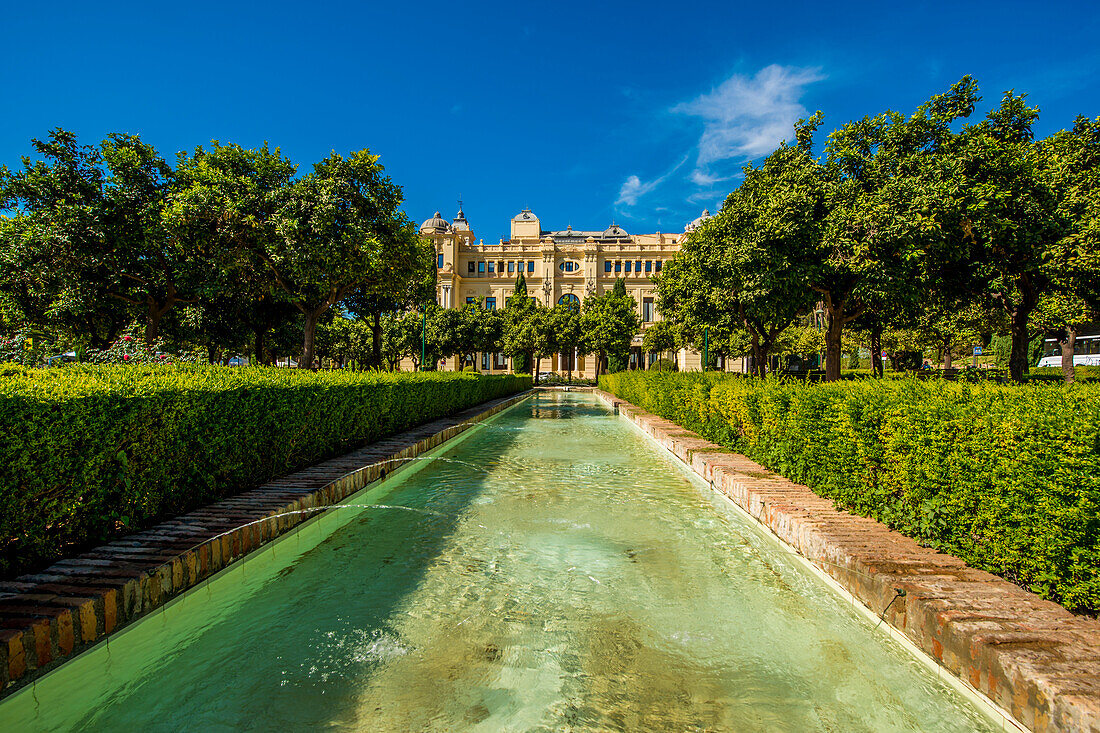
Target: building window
<point>649,265</point>
<point>490,304</point>
<point>607,265</point>
<point>570,300</point>
<point>439,261</point>
<point>470,300</point>
<point>618,266</point>
<point>499,361</point>
<point>470,265</point>
<point>511,267</point>
<point>638,266</point>
<point>530,265</point>
<point>484,361</point>
<point>657,265</point>
<point>492,267</point>
<point>628,265</point>
<point>481,268</point>
<point>647,310</point>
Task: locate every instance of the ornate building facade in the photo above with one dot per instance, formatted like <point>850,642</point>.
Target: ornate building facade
<point>559,266</point>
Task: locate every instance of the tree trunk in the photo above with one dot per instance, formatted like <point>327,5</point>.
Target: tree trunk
<point>1069,344</point>
<point>258,347</point>
<point>1018,358</point>
<point>538,365</point>
<point>759,361</point>
<point>309,331</point>
<point>947,357</point>
<point>152,323</point>
<point>832,343</point>
<point>376,339</point>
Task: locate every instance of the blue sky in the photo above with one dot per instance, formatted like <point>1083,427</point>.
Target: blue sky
<point>642,113</point>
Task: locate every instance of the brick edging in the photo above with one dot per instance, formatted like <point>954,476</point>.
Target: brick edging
<point>48,617</point>
<point>1029,656</point>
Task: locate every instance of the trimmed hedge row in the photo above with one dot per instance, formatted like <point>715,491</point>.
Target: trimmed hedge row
<point>93,452</point>
<point>1054,374</point>
<point>1006,477</point>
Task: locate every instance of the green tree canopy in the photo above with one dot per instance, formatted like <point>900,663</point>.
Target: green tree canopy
<point>88,229</point>
<point>608,323</point>
<point>339,229</point>
<point>750,266</point>
<point>1071,167</point>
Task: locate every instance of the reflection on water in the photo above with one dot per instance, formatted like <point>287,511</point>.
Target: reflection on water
<point>571,578</point>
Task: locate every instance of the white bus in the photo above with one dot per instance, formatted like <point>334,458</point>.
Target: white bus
<point>1086,352</point>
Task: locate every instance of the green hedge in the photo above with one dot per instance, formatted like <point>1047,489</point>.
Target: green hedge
<point>1006,477</point>
<point>1054,374</point>
<point>90,453</point>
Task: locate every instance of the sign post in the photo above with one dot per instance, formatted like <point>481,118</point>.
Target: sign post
<point>977,353</point>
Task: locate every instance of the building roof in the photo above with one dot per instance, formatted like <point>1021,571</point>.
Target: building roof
<point>613,232</point>
<point>525,215</point>
<point>460,223</point>
<point>436,224</point>
<point>696,223</point>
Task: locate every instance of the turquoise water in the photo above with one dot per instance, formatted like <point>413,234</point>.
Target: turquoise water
<point>555,572</point>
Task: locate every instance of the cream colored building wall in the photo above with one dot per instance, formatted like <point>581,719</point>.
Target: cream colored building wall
<point>548,281</point>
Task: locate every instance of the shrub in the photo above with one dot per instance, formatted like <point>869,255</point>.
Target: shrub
<point>95,451</point>
<point>662,365</point>
<point>131,349</point>
<point>1007,477</point>
<point>1054,374</point>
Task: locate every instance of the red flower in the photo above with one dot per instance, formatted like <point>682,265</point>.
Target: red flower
<point>126,357</point>
<point>127,338</point>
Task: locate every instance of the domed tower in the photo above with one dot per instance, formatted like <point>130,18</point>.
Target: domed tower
<point>461,227</point>
<point>698,222</point>
<point>525,225</point>
<point>445,237</point>
<point>436,226</point>
<point>615,233</point>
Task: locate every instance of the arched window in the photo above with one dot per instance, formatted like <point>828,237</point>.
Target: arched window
<point>570,300</point>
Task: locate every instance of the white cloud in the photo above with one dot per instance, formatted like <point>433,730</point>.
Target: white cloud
<point>634,187</point>
<point>745,117</point>
<point>702,178</point>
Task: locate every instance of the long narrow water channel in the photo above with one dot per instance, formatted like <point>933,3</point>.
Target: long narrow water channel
<point>557,572</point>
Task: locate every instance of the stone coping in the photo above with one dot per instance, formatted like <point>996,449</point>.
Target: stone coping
<point>1030,657</point>
<point>564,388</point>
<point>48,617</point>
